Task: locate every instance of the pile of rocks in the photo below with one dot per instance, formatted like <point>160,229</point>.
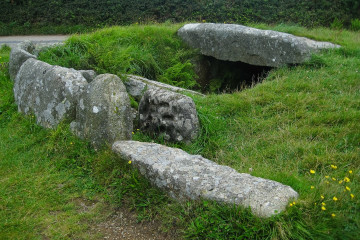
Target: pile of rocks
<point>98,109</point>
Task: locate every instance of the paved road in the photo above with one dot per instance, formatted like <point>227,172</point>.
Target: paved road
<point>43,40</point>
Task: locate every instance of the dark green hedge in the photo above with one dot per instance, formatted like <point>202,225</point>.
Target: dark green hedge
<point>109,12</point>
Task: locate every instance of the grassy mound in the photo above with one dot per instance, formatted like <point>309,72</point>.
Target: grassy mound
<point>299,127</point>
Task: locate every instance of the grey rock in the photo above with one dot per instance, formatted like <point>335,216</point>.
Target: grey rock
<point>184,176</point>
<point>231,42</point>
<point>137,86</point>
<point>49,92</point>
<point>170,114</point>
<point>28,46</point>
<point>17,57</point>
<point>89,75</point>
<point>104,113</point>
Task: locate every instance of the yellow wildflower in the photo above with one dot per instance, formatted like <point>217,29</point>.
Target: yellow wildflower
<point>326,176</point>
<point>352,195</point>
<point>327,182</point>
<point>350,171</point>
<point>322,197</point>
<point>347,188</point>
<point>341,181</point>
<point>333,166</point>
<point>312,171</point>
<point>324,204</point>
<point>346,179</point>
<point>334,179</point>
<point>333,215</point>
<point>335,199</point>
<point>291,204</point>
<point>323,208</point>
<point>129,162</point>
<point>132,132</point>
<point>294,203</point>
<point>312,187</point>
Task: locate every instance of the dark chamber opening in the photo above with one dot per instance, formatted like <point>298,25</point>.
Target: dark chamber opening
<point>225,76</point>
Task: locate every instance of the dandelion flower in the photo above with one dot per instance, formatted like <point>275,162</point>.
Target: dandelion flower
<point>132,132</point>
<point>350,171</point>
<point>341,181</point>
<point>352,196</point>
<point>333,215</point>
<point>346,179</point>
<point>333,166</point>
<point>347,188</point>
<point>322,197</point>
<point>312,187</point>
<point>315,204</point>
<point>290,204</point>
<point>326,176</point>
<point>324,204</point>
<point>323,208</point>
<point>129,162</point>
<point>312,171</point>
<point>294,203</point>
<point>334,179</point>
<point>335,199</point>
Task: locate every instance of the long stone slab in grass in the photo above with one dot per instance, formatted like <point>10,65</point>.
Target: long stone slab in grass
<point>232,42</point>
<point>186,176</point>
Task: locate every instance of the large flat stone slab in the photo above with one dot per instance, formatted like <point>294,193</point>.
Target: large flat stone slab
<point>137,86</point>
<point>49,92</point>
<point>231,42</point>
<point>186,176</point>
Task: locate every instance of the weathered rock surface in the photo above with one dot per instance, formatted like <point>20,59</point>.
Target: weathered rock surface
<point>170,114</point>
<point>186,176</point>
<point>89,75</point>
<point>136,86</point>
<point>104,113</point>
<point>49,92</point>
<point>233,42</point>
<point>17,57</point>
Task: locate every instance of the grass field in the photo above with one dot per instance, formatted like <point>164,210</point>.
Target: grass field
<point>300,127</point>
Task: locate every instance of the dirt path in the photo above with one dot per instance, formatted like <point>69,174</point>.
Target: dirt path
<point>40,39</point>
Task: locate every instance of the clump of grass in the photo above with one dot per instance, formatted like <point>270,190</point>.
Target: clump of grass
<point>151,51</point>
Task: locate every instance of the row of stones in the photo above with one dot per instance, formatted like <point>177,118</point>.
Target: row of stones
<point>99,108</point>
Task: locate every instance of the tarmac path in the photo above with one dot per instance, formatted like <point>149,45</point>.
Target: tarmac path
<point>39,39</point>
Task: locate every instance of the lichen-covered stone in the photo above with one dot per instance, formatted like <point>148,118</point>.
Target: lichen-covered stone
<point>231,42</point>
<point>104,112</point>
<point>137,86</point>
<point>170,114</point>
<point>184,176</point>
<point>89,75</point>
<point>17,57</point>
<point>49,92</point>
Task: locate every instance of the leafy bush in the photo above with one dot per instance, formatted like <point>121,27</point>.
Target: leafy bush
<point>355,24</point>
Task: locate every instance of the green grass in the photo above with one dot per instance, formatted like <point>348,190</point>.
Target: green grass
<point>299,119</point>
<point>151,51</point>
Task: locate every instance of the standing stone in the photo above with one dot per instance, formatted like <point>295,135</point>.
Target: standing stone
<point>17,57</point>
<point>184,176</point>
<point>104,113</point>
<point>170,114</point>
<point>231,42</point>
<point>49,92</point>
